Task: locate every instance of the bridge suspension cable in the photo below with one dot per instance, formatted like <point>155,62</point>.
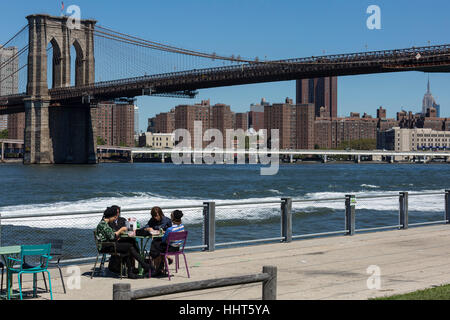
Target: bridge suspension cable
<point>123,56</point>
<point>126,38</point>
<point>14,36</point>
<point>115,35</point>
<point>14,54</point>
<point>13,57</point>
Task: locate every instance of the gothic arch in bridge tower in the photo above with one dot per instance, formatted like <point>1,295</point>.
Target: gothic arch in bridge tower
<point>61,132</point>
<point>80,61</point>
<point>57,63</point>
<point>61,34</point>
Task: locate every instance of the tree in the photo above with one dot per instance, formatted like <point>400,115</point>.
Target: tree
<point>4,134</point>
<point>360,144</point>
<point>100,141</point>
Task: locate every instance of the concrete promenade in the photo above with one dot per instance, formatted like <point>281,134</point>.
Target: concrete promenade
<point>320,268</point>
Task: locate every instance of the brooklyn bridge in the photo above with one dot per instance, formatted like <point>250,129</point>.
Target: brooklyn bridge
<point>109,64</point>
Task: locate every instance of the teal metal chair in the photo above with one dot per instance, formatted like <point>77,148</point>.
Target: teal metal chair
<point>43,252</point>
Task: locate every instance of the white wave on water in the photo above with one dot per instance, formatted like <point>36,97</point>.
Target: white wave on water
<point>425,203</point>
<point>137,206</point>
<point>428,204</point>
<point>369,186</point>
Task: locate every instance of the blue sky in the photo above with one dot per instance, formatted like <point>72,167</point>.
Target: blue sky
<point>276,29</point>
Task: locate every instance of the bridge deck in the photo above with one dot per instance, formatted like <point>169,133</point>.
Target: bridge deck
<point>185,83</point>
<point>321,268</point>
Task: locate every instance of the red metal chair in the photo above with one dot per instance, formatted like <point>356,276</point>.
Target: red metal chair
<point>175,236</point>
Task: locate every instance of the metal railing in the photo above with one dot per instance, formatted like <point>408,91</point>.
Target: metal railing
<point>214,224</point>
<point>268,278</point>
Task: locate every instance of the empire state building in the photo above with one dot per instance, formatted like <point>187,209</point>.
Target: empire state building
<point>429,102</point>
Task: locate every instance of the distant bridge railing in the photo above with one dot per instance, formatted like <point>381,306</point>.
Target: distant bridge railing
<point>223,224</point>
<point>287,152</point>
<point>12,141</point>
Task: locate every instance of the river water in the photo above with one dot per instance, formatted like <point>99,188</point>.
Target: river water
<point>64,188</point>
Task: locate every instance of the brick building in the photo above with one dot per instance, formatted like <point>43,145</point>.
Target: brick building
<point>241,121</point>
<point>186,115</point>
<point>222,120</point>
<point>383,122</point>
<point>16,126</point>
<point>282,117</point>
<point>322,92</point>
<point>165,122</point>
<point>218,116</point>
<point>330,133</point>
<point>256,115</point>
<point>115,123</point>
<point>305,116</point>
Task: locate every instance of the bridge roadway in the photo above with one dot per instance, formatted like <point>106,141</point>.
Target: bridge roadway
<point>184,83</point>
<point>320,268</point>
<point>426,59</point>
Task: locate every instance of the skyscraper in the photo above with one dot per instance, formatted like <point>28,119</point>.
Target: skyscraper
<point>438,110</point>
<point>322,92</point>
<point>136,120</point>
<point>8,73</point>
<point>429,102</point>
<point>9,78</point>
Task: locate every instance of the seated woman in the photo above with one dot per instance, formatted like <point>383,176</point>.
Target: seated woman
<point>160,246</point>
<point>120,223</point>
<point>106,234</point>
<point>157,221</point>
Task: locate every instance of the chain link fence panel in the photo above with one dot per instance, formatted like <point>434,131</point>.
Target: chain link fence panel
<point>247,223</point>
<point>77,230</point>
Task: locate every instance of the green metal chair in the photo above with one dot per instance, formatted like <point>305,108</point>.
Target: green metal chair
<point>43,252</point>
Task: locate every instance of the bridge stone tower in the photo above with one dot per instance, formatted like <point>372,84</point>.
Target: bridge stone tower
<point>63,132</point>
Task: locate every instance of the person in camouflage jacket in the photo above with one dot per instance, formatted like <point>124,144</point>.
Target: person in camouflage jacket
<point>107,240</point>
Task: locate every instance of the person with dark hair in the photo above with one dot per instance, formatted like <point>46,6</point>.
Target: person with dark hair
<point>158,221</point>
<point>106,234</point>
<point>161,246</point>
<point>120,221</point>
<point>118,224</point>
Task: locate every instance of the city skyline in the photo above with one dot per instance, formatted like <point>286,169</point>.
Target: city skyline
<point>342,29</point>
<point>389,113</point>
